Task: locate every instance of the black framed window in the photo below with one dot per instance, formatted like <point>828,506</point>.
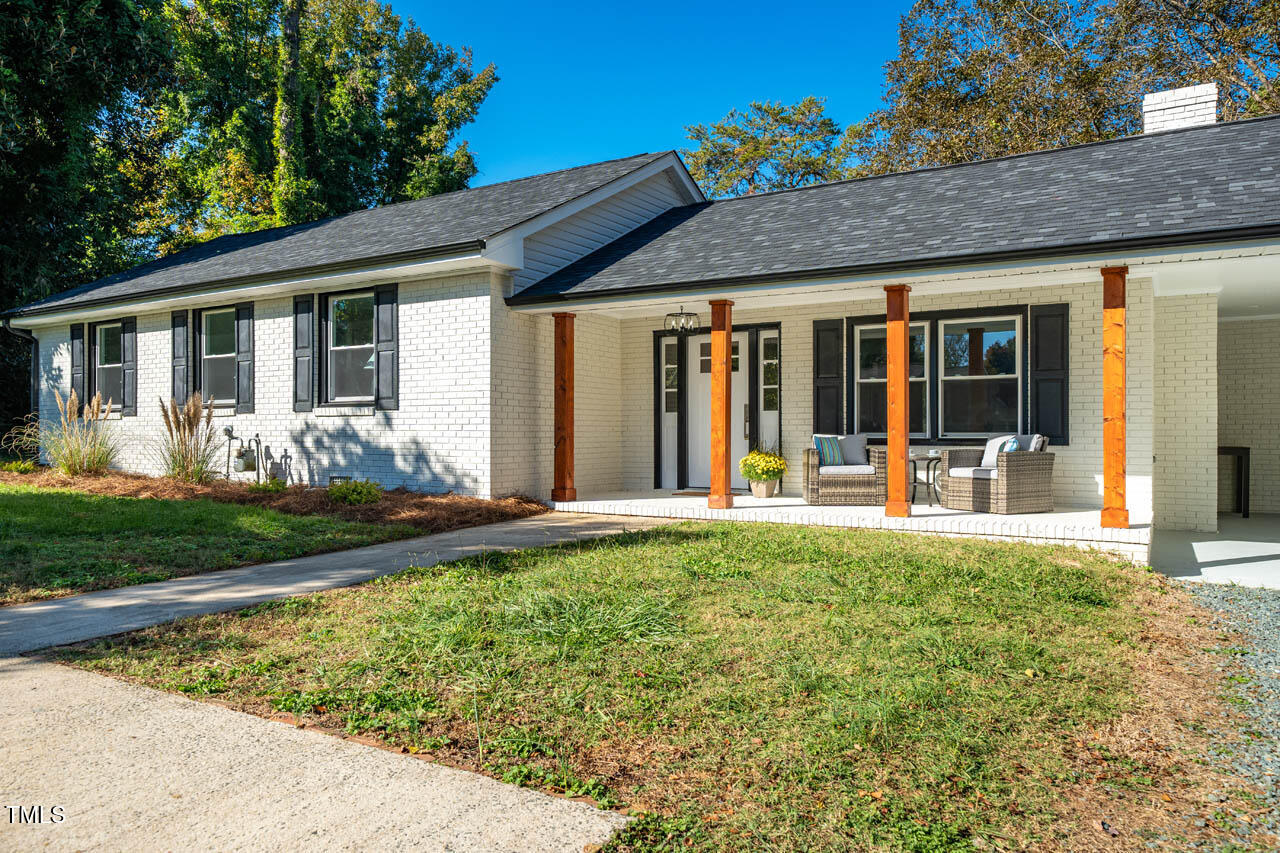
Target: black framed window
<point>351,366</point>
<point>968,373</point>
<point>770,373</point>
<point>218,356</point>
<point>108,363</point>
<point>871,384</point>
<point>980,376</point>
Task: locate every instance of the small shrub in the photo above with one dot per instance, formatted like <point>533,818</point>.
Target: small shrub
<point>77,443</point>
<point>269,486</point>
<point>762,466</point>
<point>355,492</point>
<point>189,446</point>
<point>19,466</point>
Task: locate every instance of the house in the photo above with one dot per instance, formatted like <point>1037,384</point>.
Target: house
<point>1124,296</point>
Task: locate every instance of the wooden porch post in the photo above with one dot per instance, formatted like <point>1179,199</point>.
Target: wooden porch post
<point>897,323</point>
<point>721,402</point>
<point>1114,511</point>
<point>562,488</point>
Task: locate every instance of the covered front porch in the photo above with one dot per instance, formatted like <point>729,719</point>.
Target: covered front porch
<point>1113,359</point>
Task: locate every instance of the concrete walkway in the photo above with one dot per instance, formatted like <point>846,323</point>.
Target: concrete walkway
<point>1244,551</point>
<point>25,627</point>
<point>134,769</point>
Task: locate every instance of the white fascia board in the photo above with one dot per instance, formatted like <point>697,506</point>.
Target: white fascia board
<point>369,276</point>
<point>506,248</point>
<point>1050,271</point>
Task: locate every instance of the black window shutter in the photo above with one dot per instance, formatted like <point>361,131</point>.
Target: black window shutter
<point>181,356</point>
<point>1050,368</point>
<point>129,366</point>
<point>387,395</point>
<point>828,371</point>
<point>244,358</point>
<point>304,335</point>
<point>77,363</point>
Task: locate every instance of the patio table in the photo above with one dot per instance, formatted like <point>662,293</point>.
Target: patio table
<point>932,461</point>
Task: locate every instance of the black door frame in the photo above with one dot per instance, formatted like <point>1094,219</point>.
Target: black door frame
<point>753,331</point>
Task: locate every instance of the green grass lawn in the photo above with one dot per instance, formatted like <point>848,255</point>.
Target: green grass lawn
<point>56,542</point>
<point>752,687</point>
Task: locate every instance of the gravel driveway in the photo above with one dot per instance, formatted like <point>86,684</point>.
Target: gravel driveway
<point>1255,615</point>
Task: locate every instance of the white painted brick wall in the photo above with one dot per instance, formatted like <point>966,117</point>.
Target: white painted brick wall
<point>1078,467</point>
<point>1249,409</point>
<point>1189,106</point>
<point>524,403</point>
<point>439,440</point>
<point>1186,416</point>
<point>476,394</point>
<point>523,407</point>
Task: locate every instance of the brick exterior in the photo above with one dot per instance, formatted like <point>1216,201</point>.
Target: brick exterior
<point>1189,106</point>
<point>1186,417</point>
<point>476,405</point>
<point>1249,409</point>
<point>439,440</point>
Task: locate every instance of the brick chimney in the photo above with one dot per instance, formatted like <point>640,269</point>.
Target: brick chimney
<point>1187,107</point>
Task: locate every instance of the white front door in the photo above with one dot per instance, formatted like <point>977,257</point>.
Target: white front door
<point>698,382</point>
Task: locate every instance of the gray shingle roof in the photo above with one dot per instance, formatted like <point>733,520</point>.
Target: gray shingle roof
<point>1142,190</point>
<point>413,228</point>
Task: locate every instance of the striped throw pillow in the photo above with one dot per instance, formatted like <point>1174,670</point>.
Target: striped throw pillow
<point>829,452</point>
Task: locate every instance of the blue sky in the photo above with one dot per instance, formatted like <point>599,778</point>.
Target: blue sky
<point>583,82</point>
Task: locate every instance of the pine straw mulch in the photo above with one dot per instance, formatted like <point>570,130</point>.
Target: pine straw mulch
<point>427,513</point>
<point>1149,774</point>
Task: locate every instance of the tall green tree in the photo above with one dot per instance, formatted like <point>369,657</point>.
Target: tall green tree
<point>986,78</point>
<point>770,146</point>
<point>71,73</point>
<point>292,193</point>
<point>293,110</point>
<point>1235,43</point>
<point>175,121</point>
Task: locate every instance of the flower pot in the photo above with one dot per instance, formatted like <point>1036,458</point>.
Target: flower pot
<point>765,489</point>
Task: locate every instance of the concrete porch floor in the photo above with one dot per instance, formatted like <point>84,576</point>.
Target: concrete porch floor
<point>1244,551</point>
<point>1079,527</point>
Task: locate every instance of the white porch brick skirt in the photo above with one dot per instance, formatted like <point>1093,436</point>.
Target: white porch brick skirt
<point>1079,528</point>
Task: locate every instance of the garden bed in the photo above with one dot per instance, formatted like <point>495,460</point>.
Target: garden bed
<point>425,513</point>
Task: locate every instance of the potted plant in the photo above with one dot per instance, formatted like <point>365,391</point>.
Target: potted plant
<point>764,470</point>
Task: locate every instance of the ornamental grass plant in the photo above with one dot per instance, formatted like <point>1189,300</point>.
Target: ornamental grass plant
<point>78,442</point>
<point>189,446</point>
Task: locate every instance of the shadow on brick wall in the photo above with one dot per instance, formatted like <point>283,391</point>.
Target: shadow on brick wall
<point>371,451</point>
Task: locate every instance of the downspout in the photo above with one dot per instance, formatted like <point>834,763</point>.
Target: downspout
<point>29,337</point>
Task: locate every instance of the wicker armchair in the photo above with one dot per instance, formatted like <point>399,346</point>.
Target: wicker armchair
<point>846,490</point>
<point>1023,482</point>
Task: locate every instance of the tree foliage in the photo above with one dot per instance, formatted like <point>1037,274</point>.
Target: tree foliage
<point>134,128</point>
<point>771,146</point>
<point>985,78</point>
<point>292,110</point>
